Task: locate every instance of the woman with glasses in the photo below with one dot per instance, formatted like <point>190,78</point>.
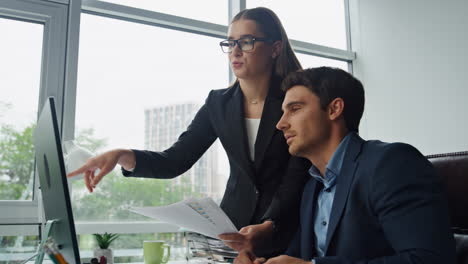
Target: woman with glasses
<point>265,184</point>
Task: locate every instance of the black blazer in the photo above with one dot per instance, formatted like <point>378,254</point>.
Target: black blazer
<point>389,207</point>
<point>269,187</point>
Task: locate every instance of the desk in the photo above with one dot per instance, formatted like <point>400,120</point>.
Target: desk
<point>86,255</point>
<point>129,255</point>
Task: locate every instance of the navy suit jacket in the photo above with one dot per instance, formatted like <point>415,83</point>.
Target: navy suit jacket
<point>389,207</point>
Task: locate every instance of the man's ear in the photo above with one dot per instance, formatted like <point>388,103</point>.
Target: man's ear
<point>336,108</point>
<point>277,45</point>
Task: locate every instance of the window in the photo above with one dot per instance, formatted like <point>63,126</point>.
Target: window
<point>32,66</point>
<point>15,249</point>
<point>309,61</point>
<point>213,11</point>
<point>20,50</point>
<point>321,22</point>
<point>139,87</point>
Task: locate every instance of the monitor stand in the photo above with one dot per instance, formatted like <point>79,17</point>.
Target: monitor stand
<point>45,236</point>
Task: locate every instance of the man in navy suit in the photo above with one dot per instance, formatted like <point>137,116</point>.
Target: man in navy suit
<point>366,201</point>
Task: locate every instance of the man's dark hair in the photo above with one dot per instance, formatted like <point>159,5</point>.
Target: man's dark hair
<point>330,83</point>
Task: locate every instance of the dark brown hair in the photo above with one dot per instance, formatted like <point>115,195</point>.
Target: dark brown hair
<point>269,24</point>
<point>330,83</point>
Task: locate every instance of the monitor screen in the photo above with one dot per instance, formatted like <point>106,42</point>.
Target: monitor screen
<point>53,182</point>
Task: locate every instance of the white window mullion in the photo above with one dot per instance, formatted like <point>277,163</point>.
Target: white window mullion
<point>158,19</point>
<point>137,227</point>
<point>235,6</point>
<point>14,212</point>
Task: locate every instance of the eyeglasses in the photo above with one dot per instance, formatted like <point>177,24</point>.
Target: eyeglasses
<point>245,43</point>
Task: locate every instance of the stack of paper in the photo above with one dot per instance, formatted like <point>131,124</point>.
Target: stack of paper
<point>208,248</point>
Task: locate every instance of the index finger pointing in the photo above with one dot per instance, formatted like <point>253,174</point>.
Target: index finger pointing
<point>81,170</point>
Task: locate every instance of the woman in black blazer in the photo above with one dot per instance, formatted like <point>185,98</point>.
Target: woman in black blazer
<point>265,184</point>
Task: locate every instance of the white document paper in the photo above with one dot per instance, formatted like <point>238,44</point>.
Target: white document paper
<point>203,216</point>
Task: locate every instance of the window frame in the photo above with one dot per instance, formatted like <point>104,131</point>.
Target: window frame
<point>61,19</point>
<point>147,17</point>
<point>52,16</point>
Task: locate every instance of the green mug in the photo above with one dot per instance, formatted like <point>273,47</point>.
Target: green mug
<point>153,252</point>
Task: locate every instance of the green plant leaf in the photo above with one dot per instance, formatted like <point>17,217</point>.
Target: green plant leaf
<point>105,240</point>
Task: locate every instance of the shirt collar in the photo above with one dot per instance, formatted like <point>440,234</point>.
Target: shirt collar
<point>335,164</point>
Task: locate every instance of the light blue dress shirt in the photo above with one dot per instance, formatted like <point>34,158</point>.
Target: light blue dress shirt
<point>327,194</point>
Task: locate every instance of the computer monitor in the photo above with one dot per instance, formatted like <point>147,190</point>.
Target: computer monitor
<point>53,183</point>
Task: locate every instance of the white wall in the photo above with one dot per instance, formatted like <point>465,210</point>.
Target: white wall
<point>412,58</point>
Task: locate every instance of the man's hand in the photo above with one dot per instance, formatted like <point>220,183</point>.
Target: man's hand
<point>250,237</point>
<point>247,257</point>
<point>285,259</point>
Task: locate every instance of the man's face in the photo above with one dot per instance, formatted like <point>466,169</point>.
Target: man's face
<point>305,125</point>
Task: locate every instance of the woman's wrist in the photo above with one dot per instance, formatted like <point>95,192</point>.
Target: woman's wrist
<point>126,159</point>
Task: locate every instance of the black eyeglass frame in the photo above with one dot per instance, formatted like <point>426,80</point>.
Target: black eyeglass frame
<point>225,43</point>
